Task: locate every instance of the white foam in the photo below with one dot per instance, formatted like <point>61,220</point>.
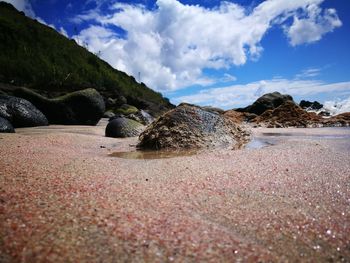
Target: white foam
<point>337,107</point>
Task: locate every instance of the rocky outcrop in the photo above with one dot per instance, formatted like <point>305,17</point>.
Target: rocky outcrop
<point>84,107</point>
<point>6,126</point>
<point>340,120</point>
<point>308,105</point>
<point>189,126</point>
<point>121,127</point>
<point>20,112</point>
<point>266,102</point>
<point>288,115</point>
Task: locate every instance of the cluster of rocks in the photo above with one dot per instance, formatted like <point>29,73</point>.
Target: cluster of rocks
<point>125,120</point>
<point>275,110</point>
<point>26,108</point>
<point>17,112</point>
<point>185,127</point>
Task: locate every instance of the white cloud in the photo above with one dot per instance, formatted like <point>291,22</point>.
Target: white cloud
<point>309,73</point>
<point>314,26</point>
<point>243,95</point>
<point>63,31</point>
<point>22,5</point>
<point>172,44</point>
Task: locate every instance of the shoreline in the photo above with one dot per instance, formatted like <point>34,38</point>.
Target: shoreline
<point>64,199</point>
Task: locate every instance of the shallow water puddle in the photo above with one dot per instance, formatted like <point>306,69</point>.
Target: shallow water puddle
<point>257,143</point>
<point>308,136</point>
<point>151,155</point>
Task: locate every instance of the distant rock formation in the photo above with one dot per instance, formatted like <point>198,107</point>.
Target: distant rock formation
<point>287,114</point>
<point>308,105</point>
<point>266,102</point>
<point>189,126</point>
<point>20,113</point>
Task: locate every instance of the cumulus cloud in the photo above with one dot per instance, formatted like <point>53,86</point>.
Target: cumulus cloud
<point>173,43</point>
<point>242,95</point>
<point>314,26</point>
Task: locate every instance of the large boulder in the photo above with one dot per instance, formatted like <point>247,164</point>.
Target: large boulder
<point>84,107</point>
<point>20,112</point>
<point>189,126</point>
<point>6,126</point>
<point>121,127</point>
<point>266,102</point>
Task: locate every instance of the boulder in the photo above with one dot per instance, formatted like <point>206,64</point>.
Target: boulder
<point>108,114</point>
<point>20,112</point>
<point>84,107</point>
<point>142,117</point>
<point>6,126</point>
<point>266,102</point>
<point>115,102</point>
<point>121,127</point>
<point>125,109</point>
<point>189,126</point>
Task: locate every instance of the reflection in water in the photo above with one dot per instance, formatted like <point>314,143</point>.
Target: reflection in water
<point>150,155</point>
<point>260,141</point>
<point>257,143</point>
<point>278,134</point>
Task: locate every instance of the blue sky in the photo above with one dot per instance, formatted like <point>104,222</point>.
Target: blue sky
<point>211,52</point>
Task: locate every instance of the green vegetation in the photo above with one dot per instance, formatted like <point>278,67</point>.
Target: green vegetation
<point>36,56</point>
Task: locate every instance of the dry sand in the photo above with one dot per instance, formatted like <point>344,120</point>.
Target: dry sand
<point>63,198</point>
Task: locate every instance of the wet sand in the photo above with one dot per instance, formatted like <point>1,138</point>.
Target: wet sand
<point>64,197</point>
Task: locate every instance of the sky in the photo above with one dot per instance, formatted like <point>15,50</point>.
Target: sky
<point>220,53</point>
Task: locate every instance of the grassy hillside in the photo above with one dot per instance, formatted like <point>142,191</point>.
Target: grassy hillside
<point>36,56</point>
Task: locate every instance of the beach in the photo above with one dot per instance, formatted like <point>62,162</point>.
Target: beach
<point>66,196</point>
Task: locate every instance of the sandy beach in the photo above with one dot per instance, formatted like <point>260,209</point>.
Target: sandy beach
<point>65,196</point>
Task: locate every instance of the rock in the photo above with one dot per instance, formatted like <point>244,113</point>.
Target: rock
<point>340,120</point>
<point>324,113</point>
<point>308,105</point>
<point>142,117</point>
<point>126,109</point>
<point>6,126</point>
<point>190,126</point>
<point>123,127</point>
<point>108,114</point>
<point>116,102</point>
<point>213,109</point>
<point>84,107</point>
<point>239,117</point>
<point>288,115</point>
<point>266,102</point>
<point>20,112</point>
